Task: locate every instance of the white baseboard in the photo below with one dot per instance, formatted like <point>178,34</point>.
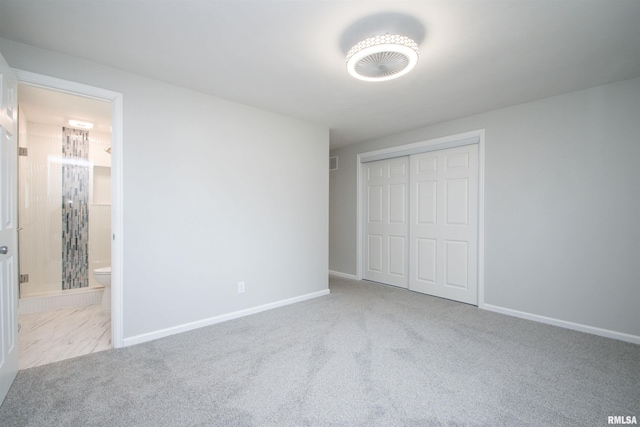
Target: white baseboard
<point>343,275</point>
<point>138,339</point>
<point>564,324</point>
<point>60,299</point>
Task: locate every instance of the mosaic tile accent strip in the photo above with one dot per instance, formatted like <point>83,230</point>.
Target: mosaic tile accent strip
<point>75,208</point>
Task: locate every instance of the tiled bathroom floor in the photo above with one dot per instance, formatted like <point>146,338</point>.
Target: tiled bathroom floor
<point>62,334</point>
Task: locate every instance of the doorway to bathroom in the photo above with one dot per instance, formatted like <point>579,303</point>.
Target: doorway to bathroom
<point>64,235</point>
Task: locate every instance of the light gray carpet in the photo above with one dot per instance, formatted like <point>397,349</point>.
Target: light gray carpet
<point>365,355</point>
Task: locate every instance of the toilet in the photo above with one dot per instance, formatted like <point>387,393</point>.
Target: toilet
<point>103,276</point>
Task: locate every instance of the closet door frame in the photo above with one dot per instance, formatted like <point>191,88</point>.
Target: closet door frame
<point>457,140</point>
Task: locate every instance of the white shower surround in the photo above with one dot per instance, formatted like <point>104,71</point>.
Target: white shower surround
<point>40,238</point>
<point>57,300</point>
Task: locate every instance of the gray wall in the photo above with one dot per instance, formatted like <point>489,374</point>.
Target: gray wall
<point>214,193</point>
<point>562,205</point>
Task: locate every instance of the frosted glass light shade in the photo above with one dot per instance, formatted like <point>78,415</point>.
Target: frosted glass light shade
<point>382,57</point>
<point>80,124</point>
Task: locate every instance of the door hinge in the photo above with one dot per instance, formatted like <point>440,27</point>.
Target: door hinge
<point>23,151</point>
<point>24,278</point>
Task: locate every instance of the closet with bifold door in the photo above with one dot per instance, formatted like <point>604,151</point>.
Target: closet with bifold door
<point>420,222</point>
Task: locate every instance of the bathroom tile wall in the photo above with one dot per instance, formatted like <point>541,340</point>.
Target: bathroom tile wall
<point>40,194</point>
<point>99,205</point>
<point>75,209</point>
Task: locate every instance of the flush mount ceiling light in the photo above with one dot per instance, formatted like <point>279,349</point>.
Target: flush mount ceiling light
<point>382,58</point>
<point>80,124</point>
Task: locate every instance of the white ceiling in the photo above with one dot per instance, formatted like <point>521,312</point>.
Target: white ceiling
<point>289,56</point>
<point>57,108</point>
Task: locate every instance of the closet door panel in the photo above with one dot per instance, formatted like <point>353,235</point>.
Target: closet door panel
<point>386,227</point>
<point>444,223</point>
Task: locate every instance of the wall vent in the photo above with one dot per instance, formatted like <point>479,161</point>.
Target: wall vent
<point>333,163</point>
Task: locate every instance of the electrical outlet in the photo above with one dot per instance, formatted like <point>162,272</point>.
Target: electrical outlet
<point>241,287</point>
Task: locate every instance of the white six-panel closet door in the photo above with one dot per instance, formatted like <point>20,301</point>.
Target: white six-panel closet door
<point>444,223</point>
<point>386,228</point>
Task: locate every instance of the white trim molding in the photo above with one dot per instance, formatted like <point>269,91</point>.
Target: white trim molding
<point>563,324</point>
<point>117,245</point>
<point>451,141</point>
<point>343,275</point>
<point>150,336</point>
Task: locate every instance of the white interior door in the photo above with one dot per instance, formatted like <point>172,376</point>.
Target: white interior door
<point>8,229</point>
<point>386,226</point>
<point>444,223</point>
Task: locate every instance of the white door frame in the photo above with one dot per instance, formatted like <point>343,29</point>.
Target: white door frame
<point>115,98</point>
<point>466,138</point>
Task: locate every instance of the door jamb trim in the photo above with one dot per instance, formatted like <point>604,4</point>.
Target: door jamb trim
<point>117,246</point>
